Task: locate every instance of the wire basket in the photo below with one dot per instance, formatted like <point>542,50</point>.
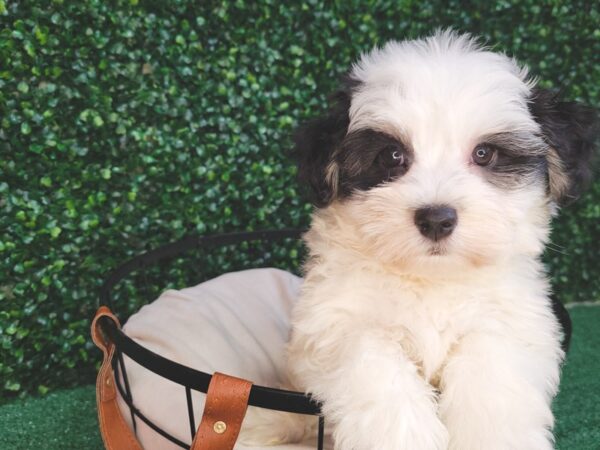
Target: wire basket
<point>189,378</point>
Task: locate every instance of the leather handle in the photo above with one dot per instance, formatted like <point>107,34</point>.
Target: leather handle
<point>115,432</point>
<point>224,411</point>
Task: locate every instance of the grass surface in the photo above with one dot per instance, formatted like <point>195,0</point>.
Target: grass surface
<point>67,419</point>
<point>577,406</point>
<point>62,420</point>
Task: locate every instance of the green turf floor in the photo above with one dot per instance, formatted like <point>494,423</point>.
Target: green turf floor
<point>67,419</point>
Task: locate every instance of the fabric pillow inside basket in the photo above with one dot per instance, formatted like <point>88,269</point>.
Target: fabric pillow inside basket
<point>235,324</point>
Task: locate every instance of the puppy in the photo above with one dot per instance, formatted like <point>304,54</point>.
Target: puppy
<point>425,320</point>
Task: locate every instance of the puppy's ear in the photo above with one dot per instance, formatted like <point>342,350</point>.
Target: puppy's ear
<point>315,145</point>
<point>571,130</point>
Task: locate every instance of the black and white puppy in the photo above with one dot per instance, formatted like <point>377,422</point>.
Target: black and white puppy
<point>425,320</point>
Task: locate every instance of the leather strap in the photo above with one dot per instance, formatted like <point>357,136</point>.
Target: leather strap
<point>224,411</point>
<point>116,434</point>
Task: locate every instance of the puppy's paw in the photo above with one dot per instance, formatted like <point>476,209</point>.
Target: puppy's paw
<point>397,427</point>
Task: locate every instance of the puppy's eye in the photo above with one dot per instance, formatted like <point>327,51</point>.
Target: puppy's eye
<point>391,157</point>
<point>484,155</point>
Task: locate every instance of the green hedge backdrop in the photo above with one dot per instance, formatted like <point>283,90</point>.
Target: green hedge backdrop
<point>127,124</point>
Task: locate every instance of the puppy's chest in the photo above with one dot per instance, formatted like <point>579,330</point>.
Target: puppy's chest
<point>428,324</point>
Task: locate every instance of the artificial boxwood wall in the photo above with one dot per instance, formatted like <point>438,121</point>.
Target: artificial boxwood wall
<point>126,124</point>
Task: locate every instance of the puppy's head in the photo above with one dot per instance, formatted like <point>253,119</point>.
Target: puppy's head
<point>441,153</point>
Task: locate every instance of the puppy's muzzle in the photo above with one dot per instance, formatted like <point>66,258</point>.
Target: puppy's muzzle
<point>436,222</point>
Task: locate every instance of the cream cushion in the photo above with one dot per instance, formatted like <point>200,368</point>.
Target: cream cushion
<point>236,324</point>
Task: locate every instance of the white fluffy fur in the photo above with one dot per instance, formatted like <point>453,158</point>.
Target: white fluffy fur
<point>412,350</point>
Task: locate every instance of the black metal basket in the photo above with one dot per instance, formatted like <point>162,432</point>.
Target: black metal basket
<point>189,378</point>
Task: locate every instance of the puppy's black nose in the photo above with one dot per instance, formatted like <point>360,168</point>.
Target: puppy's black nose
<point>436,222</point>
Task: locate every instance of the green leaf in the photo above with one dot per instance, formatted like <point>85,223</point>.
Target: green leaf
<point>12,386</point>
<point>23,87</point>
<point>98,122</point>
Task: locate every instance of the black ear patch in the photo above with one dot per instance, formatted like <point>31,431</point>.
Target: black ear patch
<point>316,141</point>
<point>571,131</point>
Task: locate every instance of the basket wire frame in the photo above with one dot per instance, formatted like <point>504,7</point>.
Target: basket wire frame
<point>190,379</point>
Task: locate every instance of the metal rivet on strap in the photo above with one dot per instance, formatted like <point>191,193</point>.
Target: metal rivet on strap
<point>220,427</point>
<point>108,381</point>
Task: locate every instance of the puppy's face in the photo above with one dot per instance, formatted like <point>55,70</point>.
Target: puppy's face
<point>443,155</point>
